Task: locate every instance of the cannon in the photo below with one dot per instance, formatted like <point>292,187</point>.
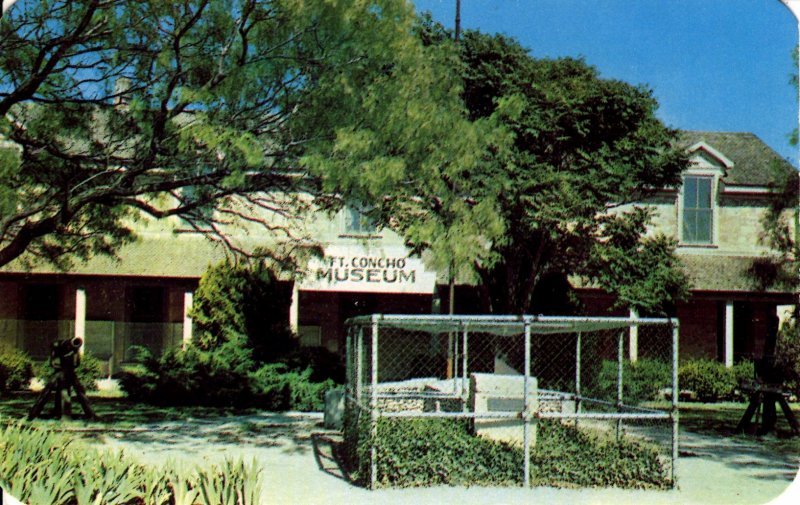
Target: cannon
<point>64,357</point>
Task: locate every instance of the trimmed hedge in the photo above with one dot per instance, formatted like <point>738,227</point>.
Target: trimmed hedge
<point>641,380</point>
<point>711,381</point>
<point>428,452</point>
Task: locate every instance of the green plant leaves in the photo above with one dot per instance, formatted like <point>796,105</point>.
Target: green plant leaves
<point>44,468</point>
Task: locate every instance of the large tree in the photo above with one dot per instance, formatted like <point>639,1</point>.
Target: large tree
<point>583,149</point>
<point>215,111</point>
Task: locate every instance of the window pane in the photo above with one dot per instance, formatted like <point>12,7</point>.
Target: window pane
<point>704,193</point>
<point>690,192</point>
<point>688,226</point>
<point>697,219</point>
<point>703,231</point>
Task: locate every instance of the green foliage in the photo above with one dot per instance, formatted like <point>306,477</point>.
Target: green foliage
<point>576,145</point>
<point>275,387</point>
<point>787,355</point>
<point>427,452</point>
<point>16,369</point>
<point>88,371</point>
<point>41,467</point>
<point>220,113</point>
<point>567,456</point>
<point>240,316</point>
<point>743,372</point>
<point>710,380</point>
<point>192,376</point>
<point>235,301</point>
<point>323,363</point>
<point>226,376</point>
<point>641,380</point>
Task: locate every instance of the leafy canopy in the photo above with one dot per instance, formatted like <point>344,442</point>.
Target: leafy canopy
<point>217,112</point>
<point>582,148</point>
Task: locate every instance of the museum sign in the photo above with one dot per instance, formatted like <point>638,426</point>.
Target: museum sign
<point>358,269</point>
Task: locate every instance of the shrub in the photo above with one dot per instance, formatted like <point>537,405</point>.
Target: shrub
<point>234,301</point>
<point>226,376</point>
<point>88,371</point>
<point>787,355</point>
<point>641,380</point>
<point>277,388</point>
<point>323,363</point>
<point>710,380</point>
<point>192,376</point>
<point>426,452</point>
<point>16,369</point>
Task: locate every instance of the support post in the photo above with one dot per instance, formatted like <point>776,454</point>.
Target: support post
<point>633,340</point>
<point>188,300</point>
<point>348,364</point>
<point>577,377</point>
<point>373,407</point>
<point>728,334</point>
<point>294,310</point>
<point>619,381</point>
<point>80,317</point>
<point>464,367</point>
<point>526,417</point>
<point>359,364</point>
<point>454,351</point>
<point>675,393</point>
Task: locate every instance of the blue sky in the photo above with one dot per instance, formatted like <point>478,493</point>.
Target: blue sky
<point>720,65</point>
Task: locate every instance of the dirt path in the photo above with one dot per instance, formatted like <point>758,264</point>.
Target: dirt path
<point>299,468</point>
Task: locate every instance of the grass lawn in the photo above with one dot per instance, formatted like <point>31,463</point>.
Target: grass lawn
<point>721,419</point>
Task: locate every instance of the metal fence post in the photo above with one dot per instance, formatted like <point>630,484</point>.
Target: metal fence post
<point>675,393</point>
<point>577,376</point>
<point>348,362</point>
<point>526,414</point>
<point>464,367</point>
<point>620,340</point>
<point>454,351</point>
<point>359,363</point>
<point>373,406</point>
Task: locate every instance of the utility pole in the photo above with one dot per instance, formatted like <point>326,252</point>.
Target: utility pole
<point>458,19</point>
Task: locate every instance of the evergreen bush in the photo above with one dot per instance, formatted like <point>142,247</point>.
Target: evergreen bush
<point>235,301</point>
<point>710,380</point>
<point>641,380</point>
<point>787,355</point>
<point>16,369</point>
<point>243,354</point>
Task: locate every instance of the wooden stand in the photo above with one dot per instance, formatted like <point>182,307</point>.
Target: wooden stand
<point>767,396</point>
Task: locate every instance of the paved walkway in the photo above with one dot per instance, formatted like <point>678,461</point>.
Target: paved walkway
<point>296,454</point>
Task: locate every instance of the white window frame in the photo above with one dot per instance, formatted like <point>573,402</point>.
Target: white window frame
<point>703,167</point>
<point>714,176</point>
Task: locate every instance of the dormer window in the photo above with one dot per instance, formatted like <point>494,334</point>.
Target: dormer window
<point>357,223</point>
<point>698,210</point>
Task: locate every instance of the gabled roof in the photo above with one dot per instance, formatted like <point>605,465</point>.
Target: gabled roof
<point>752,159</point>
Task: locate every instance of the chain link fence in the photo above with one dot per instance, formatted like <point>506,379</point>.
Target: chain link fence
<point>510,379</point>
